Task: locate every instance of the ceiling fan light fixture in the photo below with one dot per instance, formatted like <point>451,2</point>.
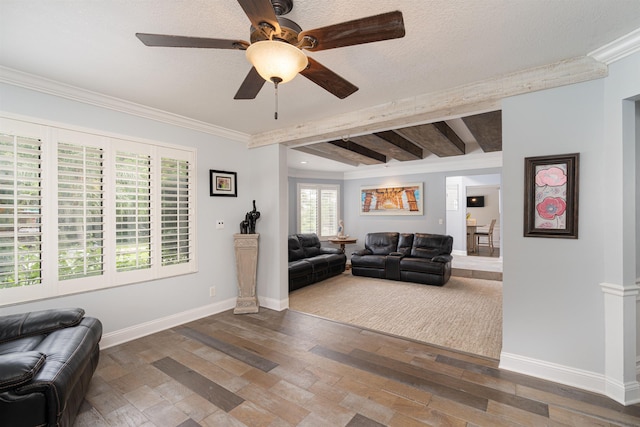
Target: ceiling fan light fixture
<point>276,60</point>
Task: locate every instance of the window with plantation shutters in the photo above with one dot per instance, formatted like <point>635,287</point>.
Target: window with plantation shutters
<point>83,211</point>
<point>20,211</point>
<point>80,211</point>
<point>318,207</point>
<point>133,211</point>
<point>175,212</point>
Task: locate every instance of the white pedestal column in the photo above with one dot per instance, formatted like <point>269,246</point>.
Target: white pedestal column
<point>621,383</point>
<point>246,248</point>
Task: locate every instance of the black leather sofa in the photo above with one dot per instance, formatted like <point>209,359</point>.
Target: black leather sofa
<point>420,257</point>
<point>310,263</point>
<point>47,359</point>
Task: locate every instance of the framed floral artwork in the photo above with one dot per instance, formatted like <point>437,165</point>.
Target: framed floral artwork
<point>551,196</point>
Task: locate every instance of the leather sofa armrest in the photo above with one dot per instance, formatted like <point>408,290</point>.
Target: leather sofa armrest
<point>19,368</point>
<point>324,250</point>
<point>442,258</point>
<point>362,252</point>
<point>397,254</point>
<point>14,326</point>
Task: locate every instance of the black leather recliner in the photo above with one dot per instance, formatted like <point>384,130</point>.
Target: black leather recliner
<point>47,359</point>
<point>309,262</point>
<point>420,257</point>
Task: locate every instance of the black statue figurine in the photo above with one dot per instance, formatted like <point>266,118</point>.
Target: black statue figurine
<point>248,226</point>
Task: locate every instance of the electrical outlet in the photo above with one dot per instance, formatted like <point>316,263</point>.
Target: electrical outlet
<point>212,291</point>
<point>219,224</point>
<point>440,221</point>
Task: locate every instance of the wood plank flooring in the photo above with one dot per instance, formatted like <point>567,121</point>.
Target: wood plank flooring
<point>292,369</point>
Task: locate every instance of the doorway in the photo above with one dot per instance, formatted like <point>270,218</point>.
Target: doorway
<point>482,187</point>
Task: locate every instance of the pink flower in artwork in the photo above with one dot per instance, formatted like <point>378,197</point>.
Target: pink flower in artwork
<point>553,177</point>
<point>551,207</point>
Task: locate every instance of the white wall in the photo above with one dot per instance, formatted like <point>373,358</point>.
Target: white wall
<point>127,306</point>
<point>555,321</point>
<point>269,188</point>
<point>545,278</point>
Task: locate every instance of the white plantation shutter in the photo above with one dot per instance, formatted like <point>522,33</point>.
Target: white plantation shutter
<point>308,210</point>
<point>20,211</point>
<point>175,213</point>
<point>133,211</point>
<point>80,211</point>
<point>318,208</point>
<point>328,211</point>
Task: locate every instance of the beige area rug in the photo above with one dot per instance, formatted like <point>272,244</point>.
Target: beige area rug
<point>465,314</point>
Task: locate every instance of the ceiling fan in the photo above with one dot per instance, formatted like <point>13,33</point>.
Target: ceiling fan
<point>270,32</point>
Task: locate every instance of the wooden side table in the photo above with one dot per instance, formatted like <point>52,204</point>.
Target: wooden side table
<point>343,242</point>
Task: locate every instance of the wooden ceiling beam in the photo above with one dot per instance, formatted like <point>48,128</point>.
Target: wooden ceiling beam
<point>349,151</point>
<point>437,137</point>
<point>413,152</point>
<point>358,149</point>
<point>486,129</point>
<point>391,149</point>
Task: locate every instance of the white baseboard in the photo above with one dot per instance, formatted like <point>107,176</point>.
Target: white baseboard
<point>274,304</point>
<point>554,372</point>
<point>143,329</point>
<point>625,394</point>
<point>137,331</point>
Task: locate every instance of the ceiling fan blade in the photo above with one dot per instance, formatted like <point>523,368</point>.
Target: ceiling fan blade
<point>260,11</point>
<point>327,79</point>
<point>183,41</point>
<point>365,30</point>
<point>250,86</point>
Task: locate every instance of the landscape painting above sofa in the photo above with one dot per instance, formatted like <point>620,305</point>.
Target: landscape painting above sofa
<point>391,200</point>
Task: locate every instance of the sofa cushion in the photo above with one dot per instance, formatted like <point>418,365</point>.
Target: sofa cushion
<point>421,265</point>
<point>369,261</point>
<point>431,245</point>
<point>405,243</point>
<point>319,263</point>
<point>21,344</point>
<point>295,249</point>
<point>381,243</point>
<point>38,322</point>
<point>300,268</point>
<point>19,368</point>
<point>310,244</point>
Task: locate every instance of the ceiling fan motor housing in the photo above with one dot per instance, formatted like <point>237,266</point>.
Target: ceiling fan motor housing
<point>282,7</point>
<point>289,32</point>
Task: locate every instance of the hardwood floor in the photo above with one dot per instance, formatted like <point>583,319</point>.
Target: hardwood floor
<point>292,369</point>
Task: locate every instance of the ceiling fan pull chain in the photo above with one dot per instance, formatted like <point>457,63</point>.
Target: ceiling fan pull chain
<point>275,81</point>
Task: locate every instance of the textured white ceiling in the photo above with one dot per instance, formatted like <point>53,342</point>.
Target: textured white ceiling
<point>91,45</point>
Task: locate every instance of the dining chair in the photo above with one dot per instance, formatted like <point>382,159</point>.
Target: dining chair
<point>488,235</point>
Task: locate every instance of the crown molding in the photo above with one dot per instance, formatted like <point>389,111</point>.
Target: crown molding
<point>618,49</point>
<point>51,87</point>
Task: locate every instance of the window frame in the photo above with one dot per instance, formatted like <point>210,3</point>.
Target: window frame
<point>52,133</point>
<point>318,187</point>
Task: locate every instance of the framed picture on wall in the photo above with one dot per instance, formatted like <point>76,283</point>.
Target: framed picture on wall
<point>222,183</point>
<point>405,199</point>
<point>551,196</point>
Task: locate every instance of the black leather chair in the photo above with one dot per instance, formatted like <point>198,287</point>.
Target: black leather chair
<point>47,359</point>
